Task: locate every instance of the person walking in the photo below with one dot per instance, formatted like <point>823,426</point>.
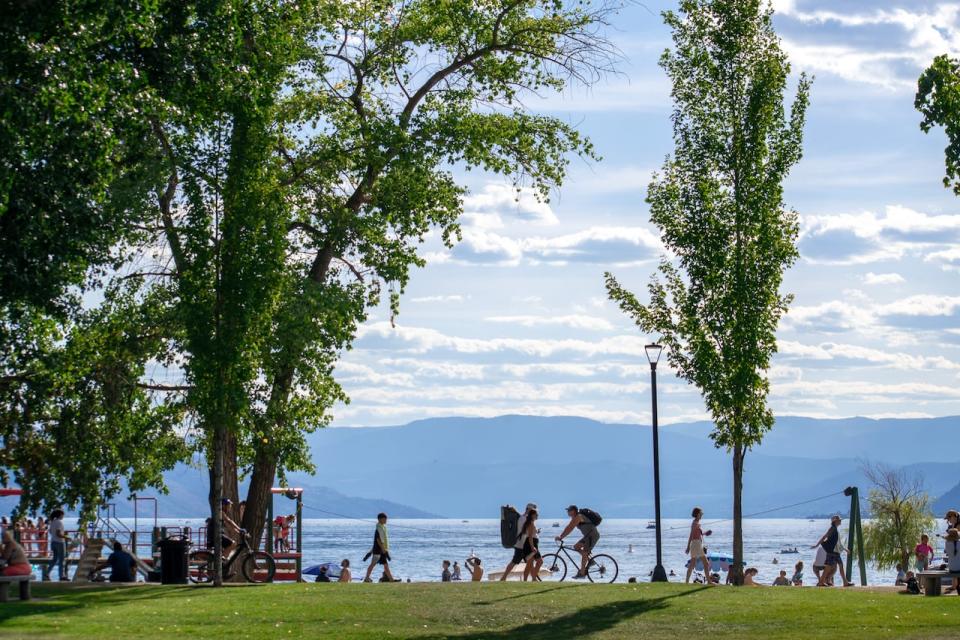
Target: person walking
<point>830,542</point>
<point>58,546</point>
<point>695,544</point>
<point>380,553</point>
<point>518,546</point>
<point>587,521</point>
<point>531,548</point>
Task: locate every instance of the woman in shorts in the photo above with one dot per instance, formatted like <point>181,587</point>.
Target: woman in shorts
<point>695,544</point>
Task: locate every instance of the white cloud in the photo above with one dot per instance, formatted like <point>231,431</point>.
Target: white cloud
<point>590,323</point>
<point>448,298</point>
<point>882,278</point>
<point>908,41</point>
<point>860,238</point>
<point>495,200</point>
<point>597,245</point>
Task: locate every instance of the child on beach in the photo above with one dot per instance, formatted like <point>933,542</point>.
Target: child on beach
<point>380,553</point>
<point>924,553</point>
<point>345,575</point>
<point>445,574</point>
<point>797,579</point>
<point>901,576</point>
<point>781,580</point>
<point>456,571</point>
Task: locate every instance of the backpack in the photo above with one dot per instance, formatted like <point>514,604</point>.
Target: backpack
<point>591,515</point>
<point>509,526</point>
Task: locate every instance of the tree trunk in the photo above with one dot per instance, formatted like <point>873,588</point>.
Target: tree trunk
<point>216,513</point>
<point>258,496</point>
<point>736,571</point>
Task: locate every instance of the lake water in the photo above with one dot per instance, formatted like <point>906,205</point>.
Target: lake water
<point>419,546</point>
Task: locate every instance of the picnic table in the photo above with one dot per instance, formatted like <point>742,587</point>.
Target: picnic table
<point>23,581</point>
<point>932,580</point>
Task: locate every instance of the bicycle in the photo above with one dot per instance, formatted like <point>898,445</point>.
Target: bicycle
<point>600,567</point>
<point>256,566</point>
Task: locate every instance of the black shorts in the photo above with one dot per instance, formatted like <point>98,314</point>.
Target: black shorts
<point>833,558</point>
<point>519,554</point>
<point>532,546</point>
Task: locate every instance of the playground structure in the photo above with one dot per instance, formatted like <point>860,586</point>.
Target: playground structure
<point>85,550</point>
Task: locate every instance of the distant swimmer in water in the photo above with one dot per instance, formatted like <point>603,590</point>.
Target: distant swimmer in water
<point>672,574</point>
<point>629,548</point>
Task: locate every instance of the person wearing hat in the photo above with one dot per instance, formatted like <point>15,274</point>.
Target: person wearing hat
<point>953,519</point>
<point>588,529</point>
<point>519,547</point>
<point>951,548</point>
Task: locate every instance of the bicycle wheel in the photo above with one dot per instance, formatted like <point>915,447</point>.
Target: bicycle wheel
<point>555,566</point>
<point>200,567</point>
<point>259,566</point>
<point>602,568</point>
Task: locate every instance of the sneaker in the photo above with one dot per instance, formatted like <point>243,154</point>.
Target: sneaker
<point>579,576</point>
<point>367,580</point>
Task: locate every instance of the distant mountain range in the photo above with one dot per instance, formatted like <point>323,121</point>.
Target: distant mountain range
<point>468,467</point>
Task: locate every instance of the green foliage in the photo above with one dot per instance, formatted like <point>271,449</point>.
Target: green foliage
<point>938,99</point>
<point>72,180</point>
<point>719,205</point>
<point>899,514</point>
<point>718,202</point>
<point>75,419</point>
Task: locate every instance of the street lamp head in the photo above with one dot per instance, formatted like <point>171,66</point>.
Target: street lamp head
<point>653,353</point>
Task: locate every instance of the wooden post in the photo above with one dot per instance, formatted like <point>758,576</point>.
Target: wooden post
<point>269,526</point>
<point>855,537</point>
<point>299,536</point>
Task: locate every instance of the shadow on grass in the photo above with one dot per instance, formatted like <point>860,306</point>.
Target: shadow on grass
<point>579,624</point>
<point>528,594</point>
<point>61,598</point>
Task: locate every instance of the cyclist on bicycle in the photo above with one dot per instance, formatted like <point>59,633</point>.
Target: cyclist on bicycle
<point>225,540</point>
<point>591,535</point>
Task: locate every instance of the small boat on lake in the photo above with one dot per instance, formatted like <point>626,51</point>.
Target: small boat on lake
<point>651,525</point>
<point>556,524</point>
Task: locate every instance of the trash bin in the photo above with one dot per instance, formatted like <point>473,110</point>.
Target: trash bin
<point>173,560</point>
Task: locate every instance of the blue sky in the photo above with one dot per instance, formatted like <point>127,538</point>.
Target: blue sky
<point>515,318</point>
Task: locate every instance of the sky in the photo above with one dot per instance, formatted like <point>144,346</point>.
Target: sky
<point>515,318</point>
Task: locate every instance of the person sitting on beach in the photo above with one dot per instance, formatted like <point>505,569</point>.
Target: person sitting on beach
<point>781,580</point>
<point>901,576</point>
<point>445,574</point>
<point>456,571</point>
<point>797,579</point>
<point>380,553</point>
<point>14,557</point>
<point>473,566</point>
<point>913,586</point>
<point>323,576</point>
<point>750,578</point>
<point>345,575</point>
<point>123,567</point>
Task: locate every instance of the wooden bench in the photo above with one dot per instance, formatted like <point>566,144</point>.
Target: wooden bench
<point>931,581</point>
<point>24,582</point>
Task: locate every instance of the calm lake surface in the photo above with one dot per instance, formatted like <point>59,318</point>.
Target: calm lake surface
<point>419,546</point>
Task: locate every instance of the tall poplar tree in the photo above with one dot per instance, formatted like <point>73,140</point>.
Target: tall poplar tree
<point>718,202</point>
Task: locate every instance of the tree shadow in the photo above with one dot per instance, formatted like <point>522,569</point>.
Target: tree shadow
<point>579,624</point>
<point>529,593</point>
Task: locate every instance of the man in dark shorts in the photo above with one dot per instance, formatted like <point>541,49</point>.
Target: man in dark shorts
<point>830,542</point>
<point>585,545</point>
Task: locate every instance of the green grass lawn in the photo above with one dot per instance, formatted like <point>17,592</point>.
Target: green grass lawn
<point>473,611</point>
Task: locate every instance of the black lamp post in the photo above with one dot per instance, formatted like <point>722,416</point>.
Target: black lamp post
<point>653,356</point>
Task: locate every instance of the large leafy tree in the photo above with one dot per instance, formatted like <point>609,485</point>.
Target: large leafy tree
<point>938,100</point>
<point>718,202</point>
<point>899,514</point>
<point>305,189</point>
